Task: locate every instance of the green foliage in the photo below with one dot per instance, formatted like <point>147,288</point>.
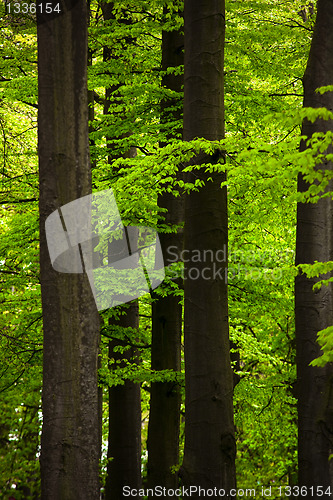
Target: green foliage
<point>266,52</point>
<point>317,269</point>
<point>325,340</point>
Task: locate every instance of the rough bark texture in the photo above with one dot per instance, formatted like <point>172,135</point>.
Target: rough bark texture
<point>314,310</point>
<point>70,437</point>
<point>165,399</point>
<point>209,453</point>
<point>124,444</point>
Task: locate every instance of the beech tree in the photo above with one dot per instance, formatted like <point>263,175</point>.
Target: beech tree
<point>124,438</point>
<point>70,448</point>
<point>314,309</point>
<point>209,453</point>
<point>165,399</point>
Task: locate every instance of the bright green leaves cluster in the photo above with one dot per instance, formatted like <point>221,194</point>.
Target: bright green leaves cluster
<point>317,269</point>
<point>325,340</point>
<point>322,271</point>
<point>132,72</point>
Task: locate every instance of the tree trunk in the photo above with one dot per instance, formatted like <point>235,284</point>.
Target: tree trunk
<point>314,310</point>
<point>209,453</point>
<point>165,399</point>
<point>124,443</point>
<point>124,440</point>
<point>70,437</point>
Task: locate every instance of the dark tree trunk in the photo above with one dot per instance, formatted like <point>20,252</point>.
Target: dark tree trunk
<point>165,399</point>
<point>124,444</point>
<point>209,455</point>
<point>70,437</point>
<point>314,310</point>
<point>124,440</point>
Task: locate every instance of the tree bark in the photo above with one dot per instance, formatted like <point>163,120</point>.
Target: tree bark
<point>165,399</point>
<point>209,453</point>
<point>70,436</point>
<point>314,310</point>
<point>124,442</point>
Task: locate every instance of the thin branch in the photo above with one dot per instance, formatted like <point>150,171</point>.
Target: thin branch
<point>283,95</point>
<point>10,202</point>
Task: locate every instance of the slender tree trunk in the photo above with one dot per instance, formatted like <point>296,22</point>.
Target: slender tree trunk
<point>124,440</point>
<point>209,455</point>
<point>314,310</point>
<point>70,437</point>
<point>124,444</point>
<point>165,399</point>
